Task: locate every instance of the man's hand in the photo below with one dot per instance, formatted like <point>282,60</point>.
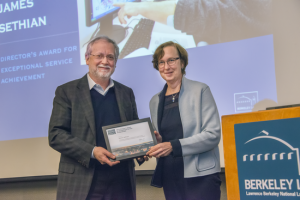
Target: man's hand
<point>157,11</point>
<point>158,137</point>
<point>160,150</point>
<point>102,155</point>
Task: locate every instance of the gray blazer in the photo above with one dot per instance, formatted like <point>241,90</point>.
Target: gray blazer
<point>201,128</point>
<point>72,132</point>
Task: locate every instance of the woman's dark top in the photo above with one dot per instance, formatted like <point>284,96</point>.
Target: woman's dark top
<point>171,130</point>
<point>175,186</point>
<point>171,126</point>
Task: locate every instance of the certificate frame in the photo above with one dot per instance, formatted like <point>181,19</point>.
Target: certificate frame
<point>137,149</point>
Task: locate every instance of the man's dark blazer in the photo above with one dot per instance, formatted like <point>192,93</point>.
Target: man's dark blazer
<point>72,132</point>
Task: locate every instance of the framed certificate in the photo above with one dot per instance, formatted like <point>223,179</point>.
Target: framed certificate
<point>129,139</point>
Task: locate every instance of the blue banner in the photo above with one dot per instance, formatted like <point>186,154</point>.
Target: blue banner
<point>268,159</point>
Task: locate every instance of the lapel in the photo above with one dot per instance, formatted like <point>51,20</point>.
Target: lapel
<point>120,99</point>
<point>85,101</point>
<point>160,108</point>
<point>182,89</point>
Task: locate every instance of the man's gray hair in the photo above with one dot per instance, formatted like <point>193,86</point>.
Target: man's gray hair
<point>102,37</point>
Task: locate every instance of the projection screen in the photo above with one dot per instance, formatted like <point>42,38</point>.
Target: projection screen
<point>246,51</point>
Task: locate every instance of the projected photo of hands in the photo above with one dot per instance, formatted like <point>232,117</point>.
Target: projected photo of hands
<point>191,23</point>
<point>42,46</point>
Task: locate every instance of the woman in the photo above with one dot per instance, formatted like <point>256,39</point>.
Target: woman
<point>186,118</point>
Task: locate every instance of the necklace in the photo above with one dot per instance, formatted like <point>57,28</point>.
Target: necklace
<point>173,97</point>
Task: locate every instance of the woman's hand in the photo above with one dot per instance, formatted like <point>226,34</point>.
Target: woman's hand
<point>158,137</point>
<point>160,150</point>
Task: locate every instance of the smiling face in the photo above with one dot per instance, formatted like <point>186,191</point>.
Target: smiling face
<point>101,68</point>
<point>171,73</point>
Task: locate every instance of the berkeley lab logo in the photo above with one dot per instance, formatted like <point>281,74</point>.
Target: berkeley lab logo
<point>244,102</point>
<point>268,159</point>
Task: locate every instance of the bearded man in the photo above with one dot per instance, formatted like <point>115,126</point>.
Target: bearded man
<point>80,109</point>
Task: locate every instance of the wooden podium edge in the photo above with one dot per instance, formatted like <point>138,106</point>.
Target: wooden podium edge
<point>228,122</point>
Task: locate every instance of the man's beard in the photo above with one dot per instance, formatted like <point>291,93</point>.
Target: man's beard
<point>101,74</point>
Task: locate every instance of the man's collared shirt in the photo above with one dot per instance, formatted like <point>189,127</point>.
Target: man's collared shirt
<point>97,87</point>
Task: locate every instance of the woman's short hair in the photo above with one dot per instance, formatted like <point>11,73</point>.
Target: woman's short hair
<point>159,53</point>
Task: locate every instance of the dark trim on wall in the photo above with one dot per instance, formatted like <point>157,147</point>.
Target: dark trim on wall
<point>151,172</point>
<point>144,172</point>
<point>286,106</point>
<point>222,170</point>
<point>54,177</point>
<point>28,178</point>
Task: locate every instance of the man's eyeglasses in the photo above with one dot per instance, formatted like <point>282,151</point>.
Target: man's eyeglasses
<point>170,61</point>
<point>101,56</point>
